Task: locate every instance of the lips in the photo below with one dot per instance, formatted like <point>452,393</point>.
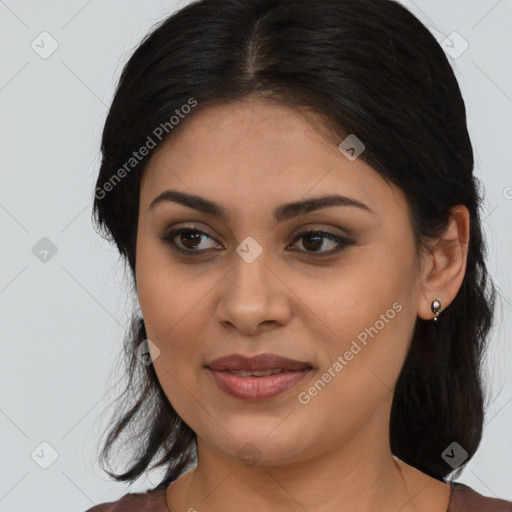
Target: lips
<point>255,388</point>
<point>259,365</point>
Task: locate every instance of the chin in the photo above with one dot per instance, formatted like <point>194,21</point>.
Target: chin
<point>261,448</point>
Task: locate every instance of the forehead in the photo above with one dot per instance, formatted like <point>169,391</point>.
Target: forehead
<point>263,152</point>
<point>238,129</point>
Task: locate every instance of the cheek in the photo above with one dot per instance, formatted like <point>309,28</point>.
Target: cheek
<point>173,314</point>
<point>367,309</point>
<point>172,311</point>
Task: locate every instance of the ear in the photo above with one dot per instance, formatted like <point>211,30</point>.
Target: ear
<point>445,264</point>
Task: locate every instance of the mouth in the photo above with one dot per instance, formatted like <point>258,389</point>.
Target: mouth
<point>257,365</point>
<point>259,377</point>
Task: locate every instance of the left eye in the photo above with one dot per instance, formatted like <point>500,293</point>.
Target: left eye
<point>189,239</point>
<point>315,241</point>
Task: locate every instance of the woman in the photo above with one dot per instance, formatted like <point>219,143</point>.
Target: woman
<point>291,184</point>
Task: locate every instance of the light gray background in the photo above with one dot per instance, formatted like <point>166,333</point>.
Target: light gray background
<point>62,321</point>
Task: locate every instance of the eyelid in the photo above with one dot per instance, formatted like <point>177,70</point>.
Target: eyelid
<point>321,228</point>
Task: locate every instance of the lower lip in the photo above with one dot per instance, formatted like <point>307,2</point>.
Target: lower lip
<point>257,388</point>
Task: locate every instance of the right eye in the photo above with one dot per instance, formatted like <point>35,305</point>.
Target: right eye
<point>187,240</point>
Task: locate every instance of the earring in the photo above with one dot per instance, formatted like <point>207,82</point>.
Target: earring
<point>436,308</point>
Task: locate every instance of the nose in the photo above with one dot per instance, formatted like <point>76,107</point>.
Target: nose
<point>253,298</point>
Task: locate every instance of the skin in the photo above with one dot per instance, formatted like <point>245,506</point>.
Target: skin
<point>251,157</point>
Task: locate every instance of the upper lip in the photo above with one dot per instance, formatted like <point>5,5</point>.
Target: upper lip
<point>260,362</point>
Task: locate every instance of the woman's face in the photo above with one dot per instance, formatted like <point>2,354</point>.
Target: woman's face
<point>249,284</point>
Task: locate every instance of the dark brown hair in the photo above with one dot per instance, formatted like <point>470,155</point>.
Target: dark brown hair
<point>372,69</point>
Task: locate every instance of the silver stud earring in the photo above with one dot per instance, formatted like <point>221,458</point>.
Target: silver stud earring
<point>436,308</point>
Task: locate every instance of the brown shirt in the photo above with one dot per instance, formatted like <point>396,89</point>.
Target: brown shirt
<point>462,499</point>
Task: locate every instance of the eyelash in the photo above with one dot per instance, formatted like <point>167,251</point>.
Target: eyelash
<point>342,242</point>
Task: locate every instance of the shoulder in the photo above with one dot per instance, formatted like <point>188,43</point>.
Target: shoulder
<point>149,501</point>
<point>465,499</point>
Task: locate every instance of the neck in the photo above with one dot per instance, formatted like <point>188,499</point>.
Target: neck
<point>360,476</point>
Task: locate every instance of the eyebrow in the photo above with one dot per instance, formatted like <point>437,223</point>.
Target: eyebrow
<point>282,213</point>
